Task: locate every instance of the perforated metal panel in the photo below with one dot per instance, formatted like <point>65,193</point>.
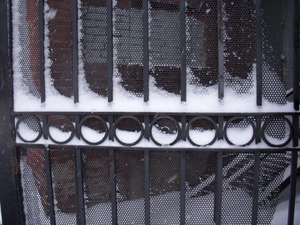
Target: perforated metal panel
<point>34,186</point>
<point>28,35</point>
<point>93,19</point>
<point>239,44</point>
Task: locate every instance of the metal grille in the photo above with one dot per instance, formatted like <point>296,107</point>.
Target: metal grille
<point>94,44</point>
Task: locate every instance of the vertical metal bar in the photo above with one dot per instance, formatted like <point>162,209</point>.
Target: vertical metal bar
<point>42,50</point>
<point>258,54</point>
<point>258,129</point>
<point>147,186</point>
<point>146,50</point>
<point>183,50</point>
<point>45,131</point>
<point>221,123</point>
<point>49,186</point>
<point>146,122</point>
<point>183,127</point>
<point>296,130</point>
<point>79,188</point>
<point>255,187</point>
<point>293,183</point>
<point>9,186</point>
<point>77,121</point>
<point>113,186</point>
<point>218,197</point>
<point>296,54</point>
<point>111,127</point>
<point>220,50</point>
<point>109,50</point>
<point>75,49</point>
<point>182,186</point>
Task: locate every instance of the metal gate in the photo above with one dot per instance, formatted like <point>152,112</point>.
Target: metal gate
<point>149,112</point>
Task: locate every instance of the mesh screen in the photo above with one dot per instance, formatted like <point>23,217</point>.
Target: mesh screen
<point>236,191</point>
<point>29,41</point>
<point>60,46</point>
<point>164,45</point>
<point>64,185</point>
<point>164,187</point>
<point>96,179</point>
<point>94,44</point>
<point>272,79</point>
<point>200,187</point>
<point>202,42</point>
<point>240,44</point>
<point>130,181</point>
<point>271,176</point>
<point>128,44</point>
<point>28,128</point>
<point>34,186</point>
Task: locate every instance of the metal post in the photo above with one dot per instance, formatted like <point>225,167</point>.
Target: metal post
<point>293,183</point>
<point>218,197</point>
<point>183,50</point>
<point>255,187</point>
<point>147,186</point>
<point>8,172</point>
<point>49,185</point>
<point>296,53</point>
<point>79,189</point>
<point>258,54</point>
<point>113,186</point>
<point>220,50</point>
<point>182,186</point>
<point>109,50</point>
<point>75,49</point>
<point>42,50</point>
<point>146,50</point>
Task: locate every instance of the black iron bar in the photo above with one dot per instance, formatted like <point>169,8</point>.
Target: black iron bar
<point>109,50</point>
<point>75,50</point>
<point>79,188</point>
<point>220,50</point>
<point>258,54</point>
<point>146,50</point>
<point>218,192</point>
<point>221,127</point>
<point>42,50</point>
<point>258,129</point>
<point>296,54</point>
<point>296,130</point>
<point>113,186</point>
<point>77,121</point>
<point>255,187</point>
<point>147,122</point>
<point>293,184</point>
<point>111,125</point>
<point>183,127</point>
<point>49,186</point>
<point>183,50</point>
<point>147,186</point>
<point>182,186</point>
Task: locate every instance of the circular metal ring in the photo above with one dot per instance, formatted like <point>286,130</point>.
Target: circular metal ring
<point>265,126</point>
<point>239,118</point>
<point>93,117</point>
<point>133,118</point>
<point>39,127</point>
<point>175,123</point>
<point>72,129</point>
<point>201,118</point>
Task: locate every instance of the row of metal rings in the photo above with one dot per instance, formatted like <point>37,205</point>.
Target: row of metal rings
<point>38,128</point>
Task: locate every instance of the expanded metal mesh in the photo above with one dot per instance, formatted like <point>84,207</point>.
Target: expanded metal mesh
<point>239,44</point>
<point>34,186</point>
<point>97,186</point>
<point>128,44</point>
<point>29,54</point>
<point>94,44</point>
